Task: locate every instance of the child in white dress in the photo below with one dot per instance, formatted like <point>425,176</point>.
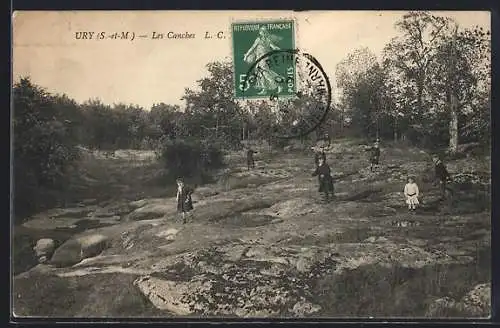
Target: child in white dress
<point>411,193</point>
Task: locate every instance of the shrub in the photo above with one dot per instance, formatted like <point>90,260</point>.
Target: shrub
<point>44,146</point>
<point>191,159</point>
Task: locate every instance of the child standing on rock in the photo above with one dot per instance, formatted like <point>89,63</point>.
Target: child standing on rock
<point>325,180</point>
<point>250,158</point>
<point>411,193</point>
<point>374,155</point>
<point>184,201</point>
<point>442,176</point>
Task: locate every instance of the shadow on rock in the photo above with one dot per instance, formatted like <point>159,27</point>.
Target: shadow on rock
<point>101,295</point>
<point>248,220</point>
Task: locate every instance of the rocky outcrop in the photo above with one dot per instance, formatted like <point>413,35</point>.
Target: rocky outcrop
<point>303,308</point>
<point>476,303</point>
<point>152,209</point>
<point>478,300</point>
<point>277,251</point>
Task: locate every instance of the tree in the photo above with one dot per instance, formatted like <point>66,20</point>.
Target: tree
<point>361,79</point>
<point>213,108</point>
<point>96,123</point>
<point>407,61</point>
<point>162,118</point>
<point>263,118</point>
<point>460,81</point>
<point>44,144</point>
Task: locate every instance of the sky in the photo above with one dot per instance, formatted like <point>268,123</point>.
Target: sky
<point>147,71</point>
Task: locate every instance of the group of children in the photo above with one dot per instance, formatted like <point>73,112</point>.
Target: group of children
<point>410,190</point>
<point>325,180</point>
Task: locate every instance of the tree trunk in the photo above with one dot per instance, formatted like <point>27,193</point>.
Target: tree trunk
<point>217,128</point>
<point>395,129</point>
<point>420,91</point>
<point>341,122</point>
<point>453,128</point>
<point>453,101</point>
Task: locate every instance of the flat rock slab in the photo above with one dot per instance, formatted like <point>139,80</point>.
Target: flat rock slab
<point>73,212</point>
<point>113,210</point>
<point>293,207</point>
<point>106,220</point>
<point>47,223</point>
<point>168,234</point>
<point>154,209</point>
<point>139,203</point>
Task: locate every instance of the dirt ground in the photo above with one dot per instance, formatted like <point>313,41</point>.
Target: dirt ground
<point>262,243</point>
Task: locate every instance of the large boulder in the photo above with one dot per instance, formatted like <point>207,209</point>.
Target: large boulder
<point>44,249</point>
<point>77,249</point>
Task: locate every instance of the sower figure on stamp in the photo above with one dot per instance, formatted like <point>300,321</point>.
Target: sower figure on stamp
<point>250,158</point>
<point>325,180</point>
<point>184,201</point>
<point>442,176</point>
<point>265,42</point>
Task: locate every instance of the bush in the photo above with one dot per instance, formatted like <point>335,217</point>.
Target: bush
<point>44,146</point>
<point>279,143</point>
<point>193,160</point>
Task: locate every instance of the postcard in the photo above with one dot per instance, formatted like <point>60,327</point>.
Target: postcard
<point>251,164</point>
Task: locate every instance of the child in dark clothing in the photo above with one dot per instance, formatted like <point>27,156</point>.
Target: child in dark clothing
<point>328,140</point>
<point>184,201</point>
<point>441,175</point>
<point>374,155</point>
<point>325,179</point>
<point>250,159</point>
<point>318,156</point>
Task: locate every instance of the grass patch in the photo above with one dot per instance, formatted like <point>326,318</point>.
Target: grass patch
<point>373,290</point>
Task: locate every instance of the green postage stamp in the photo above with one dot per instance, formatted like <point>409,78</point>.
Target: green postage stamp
<point>251,42</point>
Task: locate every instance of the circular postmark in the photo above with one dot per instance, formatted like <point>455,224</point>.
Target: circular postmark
<point>297,90</point>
